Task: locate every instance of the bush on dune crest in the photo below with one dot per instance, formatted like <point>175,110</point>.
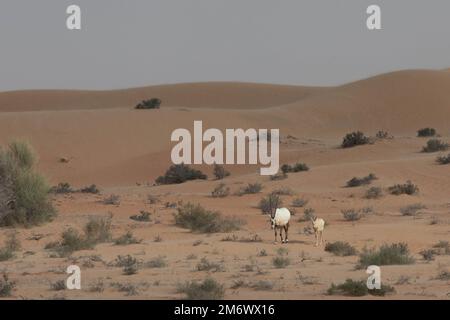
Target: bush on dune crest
<point>24,194</point>
<point>180,173</point>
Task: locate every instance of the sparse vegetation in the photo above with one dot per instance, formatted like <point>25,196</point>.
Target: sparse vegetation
<point>435,145</point>
<point>209,289</point>
<point>112,199</point>
<point>351,214</point>
<point>412,209</point>
<point>269,203</point>
<point>299,202</point>
<point>443,159</point>
<point>221,191</point>
<point>158,262</point>
<point>11,245</point>
<point>407,188</point>
<point>355,138</point>
<point>126,239</point>
<point>144,216</point>
<point>6,286</point>
<point>394,254</point>
<point>128,288</point>
<point>283,191</point>
<point>357,182</point>
<point>90,189</point>
<point>58,285</point>
<point>278,176</point>
<point>374,193</point>
<point>153,103</point>
<point>128,264</point>
<point>220,172</point>
<point>442,248</point>
<point>340,248</point>
<point>206,265</point>
<point>262,285</point>
<point>428,254</point>
<point>298,167</point>
<point>251,188</point>
<point>308,214</point>
<point>24,194</point>
<point>381,135</point>
<point>426,132</point>
<point>198,219</point>
<point>354,288</point>
<point>62,188</point>
<point>180,173</point>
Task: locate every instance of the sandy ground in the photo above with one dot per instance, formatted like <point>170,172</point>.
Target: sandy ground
<point>123,150</point>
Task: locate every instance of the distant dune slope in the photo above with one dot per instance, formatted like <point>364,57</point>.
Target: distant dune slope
<point>109,143</point>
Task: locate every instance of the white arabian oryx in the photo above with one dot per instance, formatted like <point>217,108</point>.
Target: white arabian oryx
<point>280,220</point>
<point>318,226</point>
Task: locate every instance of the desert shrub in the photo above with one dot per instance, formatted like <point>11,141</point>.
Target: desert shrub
<point>180,173</point>
<point>98,230</point>
<point>434,145</point>
<point>128,264</point>
<point>158,262</point>
<point>428,254</point>
<point>143,216</point>
<point>358,289</point>
<point>374,193</point>
<point>351,214</point>
<point>97,286</point>
<point>442,247</point>
<point>198,219</point>
<point>251,188</point>
<point>262,253</point>
<point>281,261</point>
<point>308,214</point>
<point>381,134</point>
<point>443,159</point>
<point>270,203</point>
<point>24,194</point>
<point>62,188</point>
<point>298,167</point>
<point>340,248</point>
<point>407,188</point>
<point>126,239</point>
<point>6,286</point>
<point>299,202</point>
<point>284,191</point>
<point>6,254</point>
<point>90,189</point>
<point>278,176</point>
<point>262,285</point>
<point>355,138</point>
<point>112,199</point>
<point>356,182</point>
<point>206,265</point>
<point>426,132</point>
<point>58,285</point>
<point>443,275</point>
<point>394,254</point>
<point>412,209</point>
<point>12,244</point>
<point>220,172</point>
<point>153,103</point>
<point>209,289</point>
<point>129,288</point>
<point>221,191</point>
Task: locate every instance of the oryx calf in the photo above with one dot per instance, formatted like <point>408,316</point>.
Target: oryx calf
<point>318,226</point>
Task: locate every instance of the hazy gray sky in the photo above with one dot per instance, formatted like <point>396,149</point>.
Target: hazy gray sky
<point>145,42</point>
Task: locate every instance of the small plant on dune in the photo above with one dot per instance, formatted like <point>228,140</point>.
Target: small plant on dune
<point>251,188</point>
<point>394,254</point>
<point>283,191</point>
<point>412,209</point>
<point>221,191</point>
<point>308,214</point>
<point>158,262</point>
<point>129,288</point>
<point>206,265</point>
<point>280,262</point>
<point>97,286</point>
<point>198,219</point>
<point>208,289</point>
<point>6,286</point>
<point>355,138</point>
<point>62,188</point>
<point>270,203</point>
<point>127,239</point>
<point>58,285</point>
<point>262,285</point>
<point>426,132</point>
<point>299,202</point>
<point>298,167</point>
<point>443,275</point>
<point>435,145</point>
<point>381,135</point>
<point>152,199</point>
<point>153,103</point>
<point>374,193</point>
<point>90,189</point>
<point>407,188</point>
<point>24,194</point>
<point>356,182</point>
<point>443,159</point>
<point>354,288</point>
<point>340,248</point>
<point>12,244</point>
<point>112,199</point>
<point>278,176</point>
<point>180,173</point>
<point>220,172</point>
<point>143,216</point>
<point>351,214</point>
<point>442,248</point>
<point>428,254</point>
<point>128,264</point>
<point>98,229</point>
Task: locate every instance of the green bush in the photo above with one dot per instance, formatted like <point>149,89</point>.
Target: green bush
<point>251,188</point>
<point>374,193</point>
<point>351,215</point>
<point>220,172</point>
<point>24,194</point>
<point>153,103</point>
<point>354,139</point>
<point>209,289</point>
<point>356,182</point>
<point>180,173</point>
<point>340,248</point>
<point>426,132</point>
<point>6,286</point>
<point>298,167</point>
<point>358,289</point>
<point>198,219</point>
<point>435,145</point>
<point>280,262</point>
<point>394,254</point>
<point>408,188</point>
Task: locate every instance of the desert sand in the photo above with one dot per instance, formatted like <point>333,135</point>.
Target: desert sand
<point>122,151</point>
